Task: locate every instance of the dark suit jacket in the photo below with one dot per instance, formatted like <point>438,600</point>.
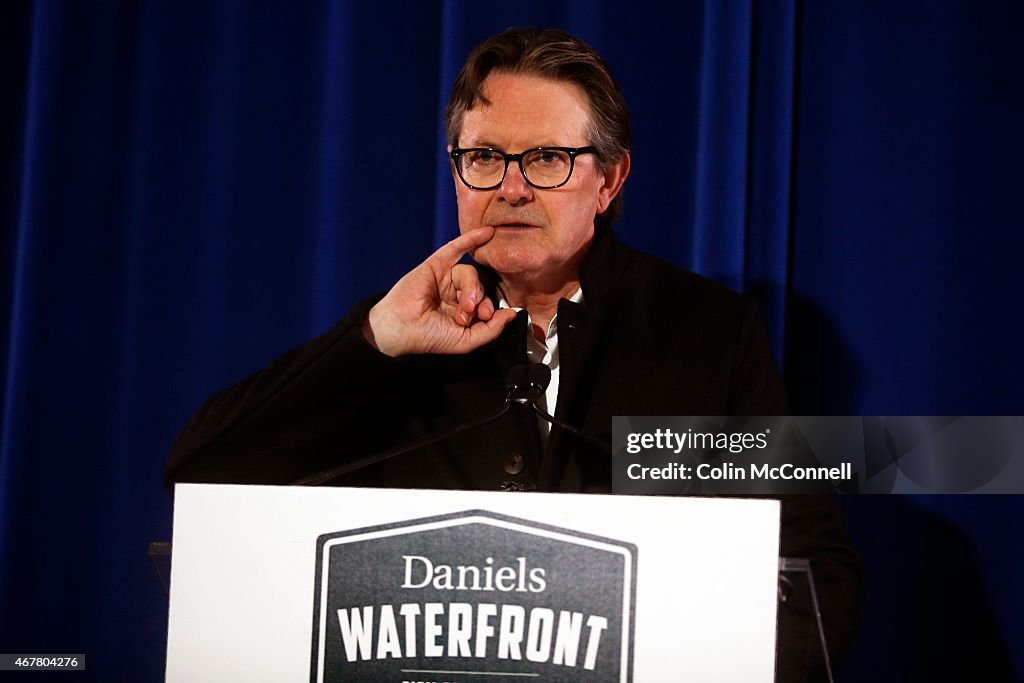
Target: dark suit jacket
<point>648,339</point>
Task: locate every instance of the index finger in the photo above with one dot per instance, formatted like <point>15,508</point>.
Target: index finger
<point>450,253</point>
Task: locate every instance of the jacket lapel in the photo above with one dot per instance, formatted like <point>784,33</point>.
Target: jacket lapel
<point>583,331</point>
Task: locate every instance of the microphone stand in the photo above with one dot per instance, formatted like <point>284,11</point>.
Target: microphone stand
<point>341,470</point>
<point>526,384</point>
<point>600,445</point>
<point>538,376</point>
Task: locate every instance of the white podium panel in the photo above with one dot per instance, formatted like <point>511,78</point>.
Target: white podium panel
<point>332,584</point>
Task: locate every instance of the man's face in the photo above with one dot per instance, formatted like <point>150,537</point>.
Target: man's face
<point>540,235</point>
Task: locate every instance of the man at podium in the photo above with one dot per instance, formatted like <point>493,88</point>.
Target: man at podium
<point>539,140</point>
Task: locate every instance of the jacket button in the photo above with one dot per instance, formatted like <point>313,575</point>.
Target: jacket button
<point>514,464</point>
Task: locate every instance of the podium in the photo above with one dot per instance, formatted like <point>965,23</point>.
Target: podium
<point>334,584</point>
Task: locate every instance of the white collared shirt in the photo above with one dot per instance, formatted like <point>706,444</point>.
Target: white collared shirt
<point>545,352</point>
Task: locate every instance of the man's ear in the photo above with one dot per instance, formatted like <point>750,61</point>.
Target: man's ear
<point>614,176</point>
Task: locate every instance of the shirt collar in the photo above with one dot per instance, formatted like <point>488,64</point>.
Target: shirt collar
<point>576,298</point>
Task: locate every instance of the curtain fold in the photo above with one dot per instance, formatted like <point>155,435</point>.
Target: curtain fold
<point>720,215</point>
<point>772,128</point>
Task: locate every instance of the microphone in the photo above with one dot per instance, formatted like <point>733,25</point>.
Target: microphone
<point>527,383</point>
<point>523,386</point>
<point>535,381</point>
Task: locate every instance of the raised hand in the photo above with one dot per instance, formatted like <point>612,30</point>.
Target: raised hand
<point>438,307</point>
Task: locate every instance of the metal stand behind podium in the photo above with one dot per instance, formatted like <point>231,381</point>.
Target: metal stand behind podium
<point>793,572</point>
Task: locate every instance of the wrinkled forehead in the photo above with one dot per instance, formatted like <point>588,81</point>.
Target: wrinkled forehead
<point>527,110</point>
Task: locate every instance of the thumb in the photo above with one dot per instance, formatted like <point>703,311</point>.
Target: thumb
<point>482,332</point>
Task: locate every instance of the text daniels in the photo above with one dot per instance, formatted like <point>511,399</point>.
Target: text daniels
<point>501,630</point>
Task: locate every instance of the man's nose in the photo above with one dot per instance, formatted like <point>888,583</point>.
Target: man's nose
<point>514,188</point>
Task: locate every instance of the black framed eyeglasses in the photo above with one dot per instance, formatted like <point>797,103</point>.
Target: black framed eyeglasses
<point>545,168</point>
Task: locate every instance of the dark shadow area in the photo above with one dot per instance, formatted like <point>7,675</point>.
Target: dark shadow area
<point>822,375</point>
<point>15,31</point>
<point>926,614</point>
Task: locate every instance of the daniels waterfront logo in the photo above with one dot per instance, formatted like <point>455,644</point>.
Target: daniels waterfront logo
<point>472,597</point>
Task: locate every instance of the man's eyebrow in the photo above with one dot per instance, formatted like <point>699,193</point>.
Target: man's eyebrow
<point>490,145</point>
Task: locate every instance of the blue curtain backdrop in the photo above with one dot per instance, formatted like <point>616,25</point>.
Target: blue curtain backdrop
<point>192,188</point>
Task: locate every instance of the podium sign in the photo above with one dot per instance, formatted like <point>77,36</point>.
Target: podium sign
<point>333,584</point>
